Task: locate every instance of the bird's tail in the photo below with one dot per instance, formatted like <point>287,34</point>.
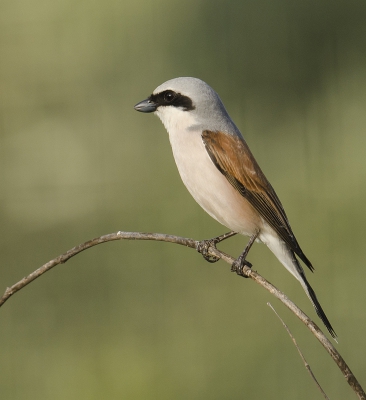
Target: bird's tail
<point>287,257</point>
<point>312,296</point>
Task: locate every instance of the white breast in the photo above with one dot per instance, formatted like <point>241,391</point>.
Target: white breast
<point>204,181</point>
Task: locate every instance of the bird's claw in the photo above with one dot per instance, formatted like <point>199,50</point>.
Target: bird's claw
<point>238,266</point>
<point>203,248</point>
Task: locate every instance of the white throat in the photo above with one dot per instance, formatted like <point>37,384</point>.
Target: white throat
<point>175,119</point>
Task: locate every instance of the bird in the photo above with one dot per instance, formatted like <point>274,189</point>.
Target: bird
<point>221,173</point>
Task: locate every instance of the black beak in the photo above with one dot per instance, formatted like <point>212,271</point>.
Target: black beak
<point>146,106</point>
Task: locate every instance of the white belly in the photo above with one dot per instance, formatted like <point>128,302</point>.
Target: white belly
<point>209,187</point>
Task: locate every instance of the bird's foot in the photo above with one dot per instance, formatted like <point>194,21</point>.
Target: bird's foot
<point>204,245</point>
<point>203,248</point>
<point>238,266</point>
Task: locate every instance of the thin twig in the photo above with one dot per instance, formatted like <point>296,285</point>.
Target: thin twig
<point>307,366</point>
<point>337,358</point>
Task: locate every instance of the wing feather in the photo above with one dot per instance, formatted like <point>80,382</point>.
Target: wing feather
<point>232,157</point>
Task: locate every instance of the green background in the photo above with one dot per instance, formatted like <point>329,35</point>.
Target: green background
<point>144,320</point>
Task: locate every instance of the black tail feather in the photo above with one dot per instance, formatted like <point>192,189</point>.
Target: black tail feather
<point>318,307</point>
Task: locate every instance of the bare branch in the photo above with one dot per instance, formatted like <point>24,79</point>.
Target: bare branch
<point>307,366</point>
<point>347,373</point>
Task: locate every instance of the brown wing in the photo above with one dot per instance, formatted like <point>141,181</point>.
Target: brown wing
<point>232,157</point>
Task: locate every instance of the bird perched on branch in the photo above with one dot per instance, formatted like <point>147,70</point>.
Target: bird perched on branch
<point>219,170</point>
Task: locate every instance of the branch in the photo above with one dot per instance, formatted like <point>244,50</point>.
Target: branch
<point>307,366</point>
<point>337,358</point>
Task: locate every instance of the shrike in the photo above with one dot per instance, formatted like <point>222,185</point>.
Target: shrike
<point>222,175</point>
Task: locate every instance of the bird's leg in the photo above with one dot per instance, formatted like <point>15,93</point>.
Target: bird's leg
<point>204,245</point>
<point>238,265</point>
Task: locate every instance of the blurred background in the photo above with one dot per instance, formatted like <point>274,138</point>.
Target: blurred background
<point>140,320</point>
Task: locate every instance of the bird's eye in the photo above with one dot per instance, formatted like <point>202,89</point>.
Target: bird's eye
<point>169,96</point>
